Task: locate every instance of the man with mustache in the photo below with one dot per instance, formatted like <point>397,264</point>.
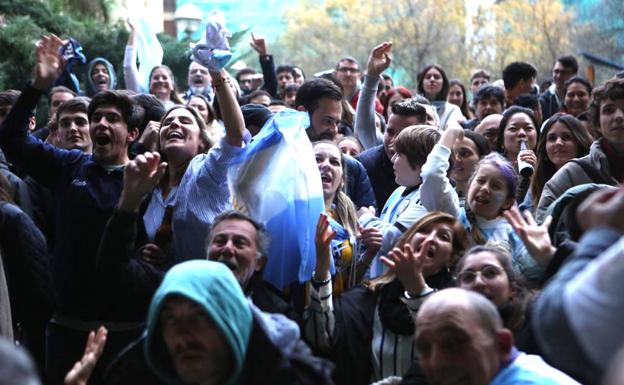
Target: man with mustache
<point>199,81</point>
<point>235,239</point>
<point>321,99</point>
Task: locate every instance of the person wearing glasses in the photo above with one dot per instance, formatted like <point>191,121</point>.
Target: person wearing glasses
<point>488,270</point>
<point>348,72</point>
<point>552,99</point>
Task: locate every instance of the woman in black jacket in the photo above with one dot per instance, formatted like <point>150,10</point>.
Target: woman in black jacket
<point>368,330</point>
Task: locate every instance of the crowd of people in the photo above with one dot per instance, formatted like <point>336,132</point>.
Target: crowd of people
<point>470,234</point>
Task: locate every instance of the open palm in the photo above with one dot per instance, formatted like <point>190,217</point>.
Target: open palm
<point>49,63</point>
<point>535,237</point>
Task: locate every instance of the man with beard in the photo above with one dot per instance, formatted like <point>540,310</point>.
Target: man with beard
<point>199,82</point>
<point>552,99</point>
<point>321,99</point>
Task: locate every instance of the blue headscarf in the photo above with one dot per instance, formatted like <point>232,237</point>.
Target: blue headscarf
<point>112,77</point>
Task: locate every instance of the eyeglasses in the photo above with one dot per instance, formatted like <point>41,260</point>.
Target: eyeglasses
<point>347,69</point>
<point>488,273</point>
<point>562,72</point>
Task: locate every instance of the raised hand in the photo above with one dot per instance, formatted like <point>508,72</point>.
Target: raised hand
<point>324,235</point>
<point>49,62</point>
<point>151,135</point>
<point>140,177</point>
<point>371,238</point>
<point>259,44</point>
<point>408,266</point>
<point>80,373</point>
<point>453,132</point>
<point>604,207</point>
<point>379,59</point>
<point>535,237</point>
<point>133,35</point>
<point>131,24</point>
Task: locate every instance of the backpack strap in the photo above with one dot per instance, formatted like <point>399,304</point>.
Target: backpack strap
<point>592,173</point>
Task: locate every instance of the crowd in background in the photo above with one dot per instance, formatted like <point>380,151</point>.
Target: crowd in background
<point>470,233</point>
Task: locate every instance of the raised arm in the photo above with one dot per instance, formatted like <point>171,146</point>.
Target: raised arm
<point>118,240</point>
<point>318,319</point>
<point>436,191</point>
<point>365,130</point>
<point>407,265</point>
<point>230,109</point>
<point>39,160</point>
<point>258,43</point>
<point>130,70</point>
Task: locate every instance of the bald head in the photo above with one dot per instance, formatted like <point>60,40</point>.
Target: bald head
<point>460,338</point>
<point>488,128</point>
<point>463,304</point>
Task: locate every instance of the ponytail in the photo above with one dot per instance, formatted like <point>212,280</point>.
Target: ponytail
<point>475,232</point>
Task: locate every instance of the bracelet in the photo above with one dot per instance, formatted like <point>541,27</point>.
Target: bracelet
<point>222,81</point>
<point>318,284</point>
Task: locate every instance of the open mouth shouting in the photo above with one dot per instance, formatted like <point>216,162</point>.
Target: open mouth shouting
<point>326,178</point>
<point>481,200</point>
<point>197,81</point>
<point>101,82</point>
<point>102,139</point>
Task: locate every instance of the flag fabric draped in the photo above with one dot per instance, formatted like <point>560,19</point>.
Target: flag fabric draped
<point>276,181</point>
<point>149,52</point>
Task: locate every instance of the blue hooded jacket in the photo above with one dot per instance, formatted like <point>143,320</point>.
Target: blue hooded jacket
<point>213,286</point>
<point>112,77</point>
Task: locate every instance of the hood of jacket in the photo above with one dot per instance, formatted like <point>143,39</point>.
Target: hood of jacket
<point>112,77</point>
<point>213,286</point>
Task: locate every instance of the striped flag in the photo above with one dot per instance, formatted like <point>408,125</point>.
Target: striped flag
<point>276,181</point>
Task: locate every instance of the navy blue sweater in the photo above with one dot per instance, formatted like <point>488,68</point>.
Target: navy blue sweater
<point>380,172</point>
<point>84,196</point>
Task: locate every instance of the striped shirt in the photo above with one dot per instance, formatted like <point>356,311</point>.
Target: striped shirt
<point>392,354</point>
<point>202,194</point>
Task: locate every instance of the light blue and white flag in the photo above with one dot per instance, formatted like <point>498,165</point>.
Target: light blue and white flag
<point>276,181</point>
<point>149,52</point>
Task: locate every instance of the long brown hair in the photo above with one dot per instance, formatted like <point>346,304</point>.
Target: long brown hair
<point>173,95</point>
<point>460,242</point>
<point>545,169</point>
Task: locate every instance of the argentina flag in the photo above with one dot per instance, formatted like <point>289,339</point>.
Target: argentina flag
<point>149,52</point>
<point>276,181</point>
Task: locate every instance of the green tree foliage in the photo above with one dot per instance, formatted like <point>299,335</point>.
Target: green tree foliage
<point>27,20</point>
